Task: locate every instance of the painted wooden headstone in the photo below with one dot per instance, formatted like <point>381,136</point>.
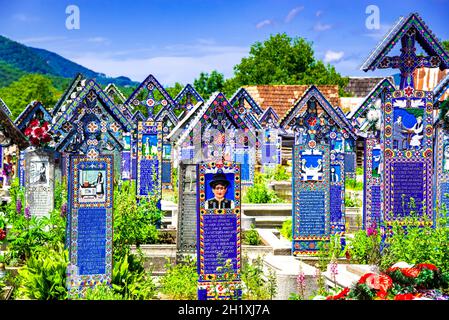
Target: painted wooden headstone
<point>91,121</point>
<point>271,140</point>
<point>9,135</point>
<point>319,174</point>
<point>217,132</point>
<point>350,160</point>
<point>91,199</point>
<point>37,163</point>
<point>151,96</point>
<point>126,157</point>
<point>218,231</point>
<point>407,132</point>
<point>246,151</point>
<point>366,121</point>
<point>169,120</point>
<point>187,200</point>
<point>35,122</point>
<point>21,168</point>
<point>441,176</point>
<point>149,159</point>
<point>91,131</point>
<point>311,198</point>
<point>185,100</point>
<point>39,182</point>
<point>137,117</point>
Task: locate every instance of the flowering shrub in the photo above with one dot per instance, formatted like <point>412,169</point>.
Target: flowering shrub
<point>37,133</point>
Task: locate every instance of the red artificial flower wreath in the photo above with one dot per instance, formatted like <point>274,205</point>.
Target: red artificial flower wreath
<point>37,132</point>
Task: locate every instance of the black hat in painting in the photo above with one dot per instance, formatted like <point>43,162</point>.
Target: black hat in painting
<point>219,178</point>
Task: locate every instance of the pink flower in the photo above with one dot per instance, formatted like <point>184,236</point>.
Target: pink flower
<point>27,213</point>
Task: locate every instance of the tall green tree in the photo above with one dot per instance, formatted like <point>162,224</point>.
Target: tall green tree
<point>28,88</point>
<point>279,60</point>
<point>207,84</point>
<point>283,60</point>
<point>445,44</point>
<point>174,90</point>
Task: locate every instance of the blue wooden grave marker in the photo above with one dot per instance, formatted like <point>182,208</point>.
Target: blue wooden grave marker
<point>218,232</point>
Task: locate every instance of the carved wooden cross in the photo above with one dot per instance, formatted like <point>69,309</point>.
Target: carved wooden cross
<point>408,61</point>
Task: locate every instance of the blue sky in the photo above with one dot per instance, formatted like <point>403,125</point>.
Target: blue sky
<point>176,40</point>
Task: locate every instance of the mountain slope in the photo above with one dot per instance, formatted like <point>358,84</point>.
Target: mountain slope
<point>61,66</point>
<point>35,60</point>
<point>21,57</point>
<point>9,74</point>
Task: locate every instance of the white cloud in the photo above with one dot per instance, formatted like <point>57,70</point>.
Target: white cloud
<point>22,17</point>
<point>208,41</point>
<point>321,27</point>
<point>98,40</point>
<point>380,33</point>
<point>41,39</point>
<point>167,69</point>
<point>293,13</point>
<point>333,56</point>
<point>264,23</point>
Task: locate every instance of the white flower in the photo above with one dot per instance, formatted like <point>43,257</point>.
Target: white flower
<point>373,115</point>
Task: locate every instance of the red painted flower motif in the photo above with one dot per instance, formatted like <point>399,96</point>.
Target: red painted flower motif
<point>409,91</point>
<point>312,121</point>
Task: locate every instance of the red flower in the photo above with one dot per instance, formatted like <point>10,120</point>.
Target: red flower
<point>377,282</point>
<point>392,269</point>
<point>381,294</point>
<point>364,277</point>
<point>410,272</point>
<point>385,282</point>
<point>2,234</point>
<point>38,132</point>
<point>46,138</point>
<point>34,141</point>
<point>404,296</point>
<point>429,266</point>
<point>340,295</point>
<point>34,123</point>
<point>348,255</point>
<point>27,131</point>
